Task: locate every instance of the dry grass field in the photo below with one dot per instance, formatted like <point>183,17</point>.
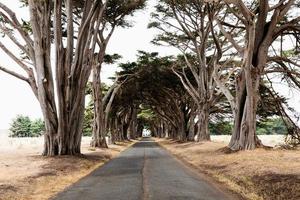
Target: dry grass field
<point>256,175</point>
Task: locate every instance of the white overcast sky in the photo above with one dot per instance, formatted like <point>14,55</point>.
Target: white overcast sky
<point>16,97</point>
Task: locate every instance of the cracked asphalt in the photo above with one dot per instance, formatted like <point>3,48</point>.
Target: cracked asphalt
<point>145,171</point>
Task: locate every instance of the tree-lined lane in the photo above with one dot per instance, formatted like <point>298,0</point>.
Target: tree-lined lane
<point>144,171</point>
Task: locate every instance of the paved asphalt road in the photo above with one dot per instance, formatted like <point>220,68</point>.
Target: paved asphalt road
<point>145,171</point>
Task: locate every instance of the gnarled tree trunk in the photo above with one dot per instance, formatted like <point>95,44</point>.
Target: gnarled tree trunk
<point>133,124</point>
<point>45,85</point>
<point>244,133</point>
<point>203,121</point>
<point>191,126</point>
<point>98,138</point>
<point>247,84</point>
<point>63,127</point>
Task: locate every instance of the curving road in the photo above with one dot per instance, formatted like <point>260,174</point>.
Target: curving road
<point>145,171</point>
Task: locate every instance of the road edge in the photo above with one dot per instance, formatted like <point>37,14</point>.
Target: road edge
<point>193,169</point>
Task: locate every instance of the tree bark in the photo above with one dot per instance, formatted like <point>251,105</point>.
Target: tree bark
<point>63,127</point>
<point>191,136</point>
<point>99,128</point>
<point>203,121</point>
<point>133,124</point>
<point>244,133</point>
<point>45,85</point>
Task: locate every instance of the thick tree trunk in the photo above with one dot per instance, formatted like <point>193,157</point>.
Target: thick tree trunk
<point>70,140</point>
<point>181,132</point>
<point>182,125</point>
<point>125,131</point>
<point>64,118</point>
<point>119,129</point>
<point>203,122</point>
<point>160,130</point>
<point>51,147</point>
<point>63,135</point>
<point>133,124</point>
<point>126,125</point>
<point>63,125</point>
<point>113,130</point>
<point>98,138</point>
<point>244,134</point>
<point>45,85</point>
<point>163,131</point>
<point>247,84</point>
<point>191,128</point>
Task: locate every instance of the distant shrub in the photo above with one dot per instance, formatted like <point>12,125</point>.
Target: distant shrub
<point>20,126</point>
<point>37,128</point>
<point>271,126</point>
<point>23,126</point>
<point>221,128</point>
<point>88,120</point>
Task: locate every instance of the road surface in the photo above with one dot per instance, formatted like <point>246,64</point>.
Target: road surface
<point>145,171</point>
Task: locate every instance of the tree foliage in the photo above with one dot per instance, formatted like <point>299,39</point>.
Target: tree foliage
<point>272,126</point>
<point>88,120</point>
<point>23,126</point>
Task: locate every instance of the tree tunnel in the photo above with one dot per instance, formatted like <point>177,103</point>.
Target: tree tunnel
<point>152,97</point>
<point>147,95</point>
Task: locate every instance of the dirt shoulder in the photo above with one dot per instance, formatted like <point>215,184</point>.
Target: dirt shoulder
<point>256,175</point>
<point>26,175</point>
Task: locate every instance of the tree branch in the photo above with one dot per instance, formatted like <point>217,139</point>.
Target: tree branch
<point>17,75</point>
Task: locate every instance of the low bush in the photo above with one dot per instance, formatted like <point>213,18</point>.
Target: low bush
<point>269,126</point>
<point>23,126</point>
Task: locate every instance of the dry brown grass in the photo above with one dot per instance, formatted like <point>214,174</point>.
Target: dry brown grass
<point>33,177</point>
<point>256,175</point>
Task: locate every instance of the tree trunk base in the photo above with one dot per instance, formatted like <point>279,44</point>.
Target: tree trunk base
<point>55,147</point>
<point>99,143</point>
<point>203,138</point>
<point>229,150</point>
<point>238,145</point>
